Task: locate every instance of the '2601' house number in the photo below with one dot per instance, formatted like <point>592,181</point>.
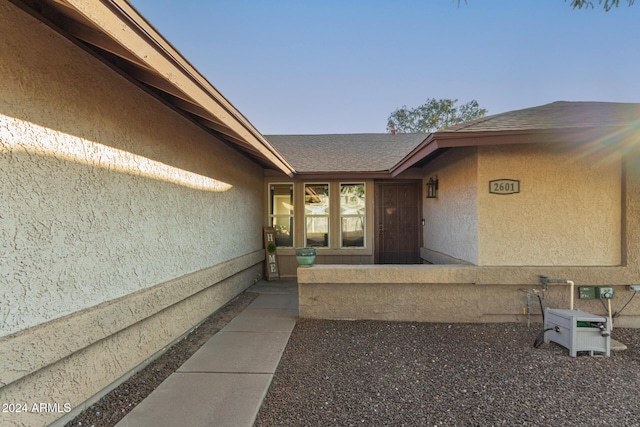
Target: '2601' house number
<point>504,186</point>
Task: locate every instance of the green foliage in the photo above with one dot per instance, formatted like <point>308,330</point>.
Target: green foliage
<point>433,115</point>
<point>579,4</point>
<point>608,4</point>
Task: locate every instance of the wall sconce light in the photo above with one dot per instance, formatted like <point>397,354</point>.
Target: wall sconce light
<point>432,188</point>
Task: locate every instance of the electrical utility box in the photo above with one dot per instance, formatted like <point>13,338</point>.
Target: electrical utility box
<point>593,292</point>
<point>577,331</point>
<point>587,292</point>
<point>604,292</point>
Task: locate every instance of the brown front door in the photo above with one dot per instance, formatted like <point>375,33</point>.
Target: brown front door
<point>398,228</point>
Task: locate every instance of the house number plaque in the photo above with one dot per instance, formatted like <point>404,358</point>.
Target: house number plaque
<point>504,186</point>
<point>271,259</point>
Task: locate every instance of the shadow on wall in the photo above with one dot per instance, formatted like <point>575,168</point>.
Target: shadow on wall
<point>59,101</point>
<point>70,148</point>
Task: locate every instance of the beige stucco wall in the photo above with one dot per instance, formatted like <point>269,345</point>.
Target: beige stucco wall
<point>90,212</point>
<point>465,293</point>
<point>106,193</point>
<point>425,293</point>
<point>452,218</point>
<point>568,210</point>
<point>454,293</point>
<point>76,359</point>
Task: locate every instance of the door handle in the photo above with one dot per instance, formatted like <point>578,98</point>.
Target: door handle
<point>380,228</point>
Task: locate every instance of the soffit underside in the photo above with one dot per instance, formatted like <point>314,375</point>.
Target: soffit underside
<point>217,116</point>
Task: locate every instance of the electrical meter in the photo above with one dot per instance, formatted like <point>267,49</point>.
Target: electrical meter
<point>604,292</point>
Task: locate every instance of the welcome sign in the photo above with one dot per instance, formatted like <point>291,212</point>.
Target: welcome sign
<point>271,258</point>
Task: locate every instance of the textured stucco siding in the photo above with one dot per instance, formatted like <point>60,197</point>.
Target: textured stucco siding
<point>452,218</point>
<point>95,180</point>
<point>122,223</point>
<point>453,293</point>
<point>441,302</point>
<point>568,211</point>
<point>464,293</point>
<point>88,372</point>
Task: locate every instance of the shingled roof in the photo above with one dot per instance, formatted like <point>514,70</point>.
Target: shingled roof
<point>385,154</point>
<point>362,152</point>
<point>557,115</point>
<point>559,122</point>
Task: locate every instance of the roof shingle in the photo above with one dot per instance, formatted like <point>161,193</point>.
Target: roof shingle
<point>362,152</point>
<point>557,115</point>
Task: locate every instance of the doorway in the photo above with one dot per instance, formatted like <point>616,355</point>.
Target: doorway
<point>398,232</point>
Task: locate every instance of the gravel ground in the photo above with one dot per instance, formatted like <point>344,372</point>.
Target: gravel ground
<point>120,401</point>
<point>347,373</point>
<point>341,373</point>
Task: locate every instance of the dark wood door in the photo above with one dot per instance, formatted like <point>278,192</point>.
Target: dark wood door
<point>398,227</point>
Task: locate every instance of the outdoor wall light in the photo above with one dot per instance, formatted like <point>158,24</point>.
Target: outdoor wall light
<point>432,188</point>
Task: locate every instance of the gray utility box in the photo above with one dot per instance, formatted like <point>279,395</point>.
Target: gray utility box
<point>586,336</point>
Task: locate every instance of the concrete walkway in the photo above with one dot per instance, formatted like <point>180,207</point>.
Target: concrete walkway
<point>225,381</point>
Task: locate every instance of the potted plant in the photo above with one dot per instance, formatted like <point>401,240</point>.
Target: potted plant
<point>305,256</point>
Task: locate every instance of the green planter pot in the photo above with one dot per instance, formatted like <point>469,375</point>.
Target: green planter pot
<point>305,256</point>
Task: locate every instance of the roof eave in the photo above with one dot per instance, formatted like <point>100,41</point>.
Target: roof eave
<point>444,139</point>
<point>115,27</point>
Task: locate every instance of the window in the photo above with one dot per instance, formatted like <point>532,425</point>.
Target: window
<point>316,215</point>
<point>352,215</point>
<point>281,213</point>
<point>333,215</point>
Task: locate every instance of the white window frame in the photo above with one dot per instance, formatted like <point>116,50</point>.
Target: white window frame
<point>291,215</point>
<point>327,215</point>
<point>363,215</point>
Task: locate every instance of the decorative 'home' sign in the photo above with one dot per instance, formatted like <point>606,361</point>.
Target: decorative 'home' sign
<point>271,260</point>
<point>504,186</point>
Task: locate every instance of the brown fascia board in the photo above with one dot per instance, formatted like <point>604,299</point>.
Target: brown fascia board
<point>120,22</point>
<point>343,175</point>
<point>441,140</point>
<point>424,149</point>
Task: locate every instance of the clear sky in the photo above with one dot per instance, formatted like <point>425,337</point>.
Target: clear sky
<point>342,66</point>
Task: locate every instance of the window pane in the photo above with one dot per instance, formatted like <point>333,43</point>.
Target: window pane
<point>352,201</point>
<point>353,232</point>
<point>316,211</point>
<point>284,235</point>
<point>281,213</point>
<point>352,215</point>
<point>317,231</point>
<point>316,199</point>
<point>281,199</point>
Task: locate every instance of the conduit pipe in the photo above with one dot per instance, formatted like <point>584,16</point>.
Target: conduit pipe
<point>571,287</point>
<point>610,316</point>
<point>545,281</point>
